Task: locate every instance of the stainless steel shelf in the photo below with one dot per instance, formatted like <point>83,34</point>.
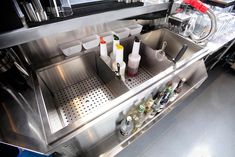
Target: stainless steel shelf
<point>117,145</point>
<point>24,35</point>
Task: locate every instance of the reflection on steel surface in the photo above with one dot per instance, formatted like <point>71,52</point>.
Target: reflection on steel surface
<point>140,78</point>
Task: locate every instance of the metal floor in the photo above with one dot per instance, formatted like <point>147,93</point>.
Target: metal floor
<point>202,126</point>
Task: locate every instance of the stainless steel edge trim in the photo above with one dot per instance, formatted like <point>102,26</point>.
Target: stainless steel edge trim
<point>41,107</point>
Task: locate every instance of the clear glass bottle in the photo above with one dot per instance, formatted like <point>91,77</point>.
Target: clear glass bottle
<point>190,26</point>
<point>60,8</point>
<point>178,89</point>
<point>166,95</point>
<point>156,107</point>
<point>138,116</point>
<point>127,126</point>
<point>148,107</point>
<point>161,99</point>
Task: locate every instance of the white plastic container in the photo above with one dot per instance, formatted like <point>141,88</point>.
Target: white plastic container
<point>90,42</point>
<point>108,36</point>
<point>122,32</point>
<point>71,48</point>
<point>119,53</point>
<point>135,29</point>
<point>103,52</point>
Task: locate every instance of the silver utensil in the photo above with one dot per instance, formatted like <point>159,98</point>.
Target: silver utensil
<point>160,54</point>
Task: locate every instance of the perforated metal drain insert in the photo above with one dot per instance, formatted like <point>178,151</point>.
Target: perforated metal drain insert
<point>141,77</point>
<point>81,99</point>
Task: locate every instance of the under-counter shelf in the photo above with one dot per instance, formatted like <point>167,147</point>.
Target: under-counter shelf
<point>115,143</point>
<point>24,35</point>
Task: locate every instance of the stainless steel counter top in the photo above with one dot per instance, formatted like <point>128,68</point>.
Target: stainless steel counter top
<point>215,44</point>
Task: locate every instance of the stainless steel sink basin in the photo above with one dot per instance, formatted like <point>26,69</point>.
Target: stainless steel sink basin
<point>152,41</point>
<point>78,90</point>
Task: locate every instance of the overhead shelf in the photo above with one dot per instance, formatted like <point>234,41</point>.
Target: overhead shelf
<point>24,35</point>
<point>221,3</point>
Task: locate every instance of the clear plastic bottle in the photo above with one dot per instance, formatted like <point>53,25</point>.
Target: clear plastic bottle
<point>134,59</point>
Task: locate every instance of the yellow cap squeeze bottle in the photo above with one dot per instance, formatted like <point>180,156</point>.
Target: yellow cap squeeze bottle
<point>119,60</point>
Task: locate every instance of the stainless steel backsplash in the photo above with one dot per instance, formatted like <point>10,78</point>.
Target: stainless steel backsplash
<point>42,50</point>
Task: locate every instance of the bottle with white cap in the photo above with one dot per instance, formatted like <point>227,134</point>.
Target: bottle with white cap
<point>103,52</point>
<point>119,65</point>
<point>115,42</point>
<point>134,59</point>
<point>127,126</point>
